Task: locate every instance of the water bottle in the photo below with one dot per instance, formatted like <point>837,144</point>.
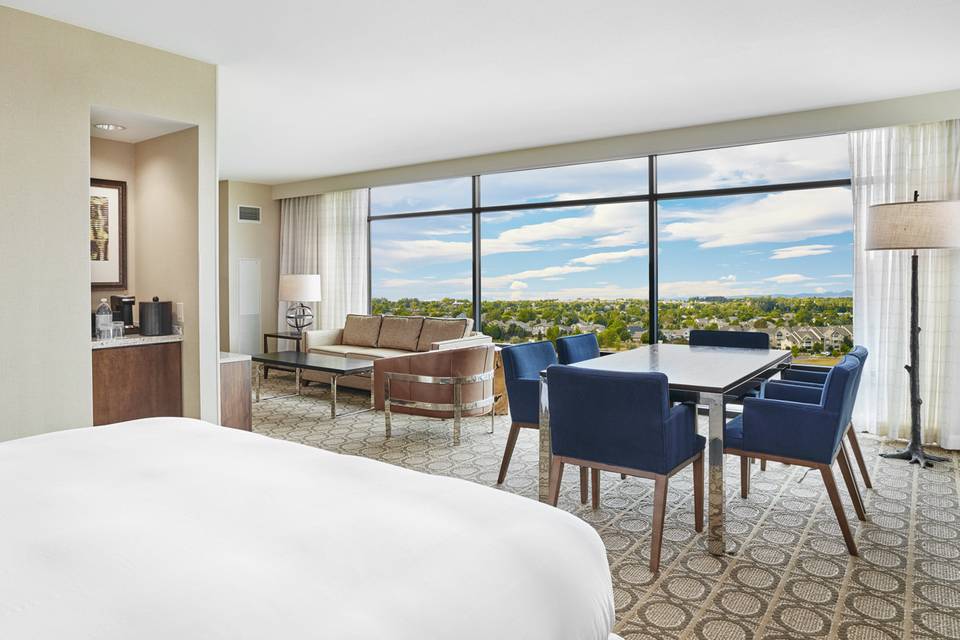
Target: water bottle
<point>104,320</point>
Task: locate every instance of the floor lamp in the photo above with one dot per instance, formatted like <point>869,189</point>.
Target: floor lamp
<point>914,225</point>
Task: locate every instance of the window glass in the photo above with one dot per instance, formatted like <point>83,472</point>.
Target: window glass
<point>573,182</point>
<point>437,195</point>
<point>804,160</point>
<point>564,271</point>
<point>422,266</point>
<point>778,262</point>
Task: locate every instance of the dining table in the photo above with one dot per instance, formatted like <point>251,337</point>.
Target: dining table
<point>707,376</point>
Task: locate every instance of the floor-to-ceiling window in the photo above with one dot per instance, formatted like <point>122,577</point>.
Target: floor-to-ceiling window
<point>754,237</point>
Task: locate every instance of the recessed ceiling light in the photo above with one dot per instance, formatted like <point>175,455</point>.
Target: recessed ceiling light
<point>107,126</point>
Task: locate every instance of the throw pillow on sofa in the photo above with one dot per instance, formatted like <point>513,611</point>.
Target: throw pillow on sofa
<point>440,329</point>
<point>400,332</point>
<point>361,331</point>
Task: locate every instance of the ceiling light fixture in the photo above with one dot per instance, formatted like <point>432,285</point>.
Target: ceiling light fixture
<point>107,126</point>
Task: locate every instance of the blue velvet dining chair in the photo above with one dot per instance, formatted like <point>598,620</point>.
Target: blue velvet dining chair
<point>730,339</point>
<point>815,376</point>
<point>571,349</point>
<point>522,364</point>
<point>803,426</point>
<point>623,422</point>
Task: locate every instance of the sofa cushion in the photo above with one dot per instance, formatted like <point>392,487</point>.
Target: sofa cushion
<point>400,332</point>
<point>440,329</point>
<point>359,353</point>
<point>361,331</point>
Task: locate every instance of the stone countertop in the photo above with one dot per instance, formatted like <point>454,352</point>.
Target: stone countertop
<point>227,358</point>
<point>134,340</point>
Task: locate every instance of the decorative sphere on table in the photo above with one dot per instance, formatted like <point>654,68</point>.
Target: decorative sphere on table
<point>299,317</point>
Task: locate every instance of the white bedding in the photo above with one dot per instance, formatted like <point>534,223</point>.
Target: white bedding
<point>173,529</point>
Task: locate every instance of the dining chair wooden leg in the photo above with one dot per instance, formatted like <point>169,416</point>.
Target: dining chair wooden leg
<point>659,513</point>
<point>556,475</point>
<point>595,486</point>
<point>744,476</point>
<point>855,445</point>
<point>508,452</point>
<point>584,484</point>
<point>847,472</point>
<point>623,476</point>
<point>698,493</point>
<point>763,464</point>
<point>827,472</point>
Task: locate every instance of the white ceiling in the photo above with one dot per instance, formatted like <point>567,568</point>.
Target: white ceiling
<point>310,88</point>
<point>139,126</point>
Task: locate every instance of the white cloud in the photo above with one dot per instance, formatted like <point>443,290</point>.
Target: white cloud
<point>610,257</point>
<point>819,290</point>
<point>787,216</point>
<point>500,282</point>
<point>448,232</point>
<point>800,251</point>
<point>841,276</point>
<point>729,278</point>
<point>788,278</point>
<point>518,284</point>
<point>398,282</point>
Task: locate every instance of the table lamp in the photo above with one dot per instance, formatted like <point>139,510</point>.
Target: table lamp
<point>299,288</point>
<point>914,225</point>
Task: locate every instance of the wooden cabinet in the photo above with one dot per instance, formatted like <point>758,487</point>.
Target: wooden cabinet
<point>142,381</point>
<point>235,404</point>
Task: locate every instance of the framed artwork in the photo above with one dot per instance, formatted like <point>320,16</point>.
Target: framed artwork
<point>108,234</point>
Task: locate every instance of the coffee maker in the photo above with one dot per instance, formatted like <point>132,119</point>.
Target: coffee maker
<point>122,307</point>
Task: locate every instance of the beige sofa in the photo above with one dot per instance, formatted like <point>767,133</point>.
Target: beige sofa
<point>370,337</point>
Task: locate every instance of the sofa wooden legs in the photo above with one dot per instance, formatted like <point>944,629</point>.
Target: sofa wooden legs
<point>763,464</point>
<point>595,486</point>
<point>855,446</point>
<point>827,472</point>
<point>508,452</point>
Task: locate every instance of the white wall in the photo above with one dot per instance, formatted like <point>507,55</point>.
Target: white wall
<point>884,113</point>
<point>247,241</point>
<point>51,73</point>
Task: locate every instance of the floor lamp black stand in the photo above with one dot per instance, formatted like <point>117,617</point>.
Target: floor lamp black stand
<point>914,225</point>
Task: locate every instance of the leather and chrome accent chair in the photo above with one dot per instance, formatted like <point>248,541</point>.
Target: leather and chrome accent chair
<point>815,376</point>
<point>522,364</point>
<point>578,348</point>
<point>623,422</point>
<point>784,426</point>
<point>450,383</point>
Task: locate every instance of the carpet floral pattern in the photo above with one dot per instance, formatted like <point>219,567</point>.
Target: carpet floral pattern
<point>788,574</point>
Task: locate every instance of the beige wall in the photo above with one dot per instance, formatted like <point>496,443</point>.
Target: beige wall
<point>167,256</point>
<point>243,240</point>
<point>51,74</point>
<point>884,113</point>
<point>112,160</point>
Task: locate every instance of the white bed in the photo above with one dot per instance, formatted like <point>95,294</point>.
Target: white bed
<point>175,529</point>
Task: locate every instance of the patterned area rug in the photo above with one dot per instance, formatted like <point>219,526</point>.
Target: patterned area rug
<point>789,575</point>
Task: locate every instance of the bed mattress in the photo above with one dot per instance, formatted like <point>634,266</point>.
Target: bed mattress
<point>172,528</point>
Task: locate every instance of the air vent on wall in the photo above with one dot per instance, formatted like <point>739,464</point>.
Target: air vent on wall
<point>248,214</point>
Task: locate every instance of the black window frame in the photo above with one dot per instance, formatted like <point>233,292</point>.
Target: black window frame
<point>653,197</point>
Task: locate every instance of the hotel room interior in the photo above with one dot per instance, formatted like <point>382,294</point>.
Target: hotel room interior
<point>510,319</point>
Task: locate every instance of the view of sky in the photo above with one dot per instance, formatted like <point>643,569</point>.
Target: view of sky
<point>788,242</point>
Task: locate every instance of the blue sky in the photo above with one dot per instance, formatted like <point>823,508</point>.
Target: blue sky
<point>781,243</point>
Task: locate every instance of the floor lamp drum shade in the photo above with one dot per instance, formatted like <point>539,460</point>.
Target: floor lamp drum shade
<point>914,225</point>
<point>300,288</point>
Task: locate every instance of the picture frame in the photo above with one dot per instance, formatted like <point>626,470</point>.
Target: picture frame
<point>108,234</point>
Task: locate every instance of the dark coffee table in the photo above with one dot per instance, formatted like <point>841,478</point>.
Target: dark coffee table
<point>334,366</point>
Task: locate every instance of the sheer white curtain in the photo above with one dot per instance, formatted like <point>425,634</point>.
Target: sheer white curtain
<point>327,235</point>
<point>888,165</point>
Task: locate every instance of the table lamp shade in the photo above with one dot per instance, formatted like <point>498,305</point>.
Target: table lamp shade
<point>300,288</point>
<point>914,225</point>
